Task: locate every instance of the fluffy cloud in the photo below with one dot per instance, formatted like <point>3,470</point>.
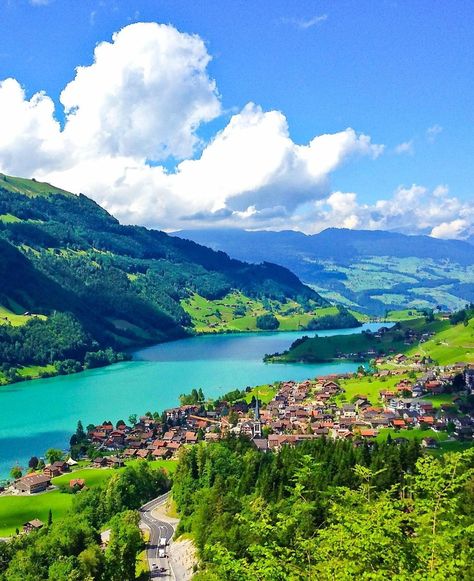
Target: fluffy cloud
<point>413,210</point>
<point>145,95</point>
<point>433,132</point>
<point>453,229</point>
<point>305,23</point>
<point>141,102</point>
<point>407,147</point>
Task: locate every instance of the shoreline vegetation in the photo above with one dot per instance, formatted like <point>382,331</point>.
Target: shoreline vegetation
<point>50,365</point>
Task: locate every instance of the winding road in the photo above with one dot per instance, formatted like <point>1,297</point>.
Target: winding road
<point>160,566</point>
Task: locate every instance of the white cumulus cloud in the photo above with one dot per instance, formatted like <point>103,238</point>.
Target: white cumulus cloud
<point>141,102</point>
<point>412,210</point>
<point>140,105</point>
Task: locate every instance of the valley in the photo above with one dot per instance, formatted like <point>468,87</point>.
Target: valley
<point>370,271</point>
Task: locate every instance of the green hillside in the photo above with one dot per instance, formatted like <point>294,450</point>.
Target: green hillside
<point>115,286</point>
<point>451,345</point>
<point>236,312</point>
<point>448,343</point>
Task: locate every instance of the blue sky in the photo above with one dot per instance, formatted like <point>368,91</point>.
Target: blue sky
<point>399,72</point>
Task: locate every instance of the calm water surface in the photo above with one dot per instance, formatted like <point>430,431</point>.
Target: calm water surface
<point>40,414</point>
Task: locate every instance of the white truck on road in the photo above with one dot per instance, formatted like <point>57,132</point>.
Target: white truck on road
<point>163,542</point>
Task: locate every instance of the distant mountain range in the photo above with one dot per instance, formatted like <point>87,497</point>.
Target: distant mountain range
<point>370,270</point>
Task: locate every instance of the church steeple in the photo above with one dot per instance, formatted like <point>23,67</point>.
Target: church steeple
<point>257,424</point>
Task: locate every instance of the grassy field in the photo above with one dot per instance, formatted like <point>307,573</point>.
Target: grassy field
<point>30,372</point>
<point>9,219</point>
<point>237,312</point>
<point>265,393</point>
<point>367,386</point>
<point>34,371</point>
<point>30,187</point>
<point>7,316</point>
<point>142,571</point>
<point>394,281</point>
<point>404,315</point>
<point>452,446</point>
<point>439,399</point>
<point>16,510</point>
<point>320,349</point>
<point>453,343</point>
<point>414,434</point>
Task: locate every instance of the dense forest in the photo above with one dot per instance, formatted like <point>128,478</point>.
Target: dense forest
<point>121,284</point>
<point>70,549</point>
<point>327,510</point>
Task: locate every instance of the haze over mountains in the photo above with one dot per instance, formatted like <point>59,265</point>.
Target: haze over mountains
<point>371,270</point>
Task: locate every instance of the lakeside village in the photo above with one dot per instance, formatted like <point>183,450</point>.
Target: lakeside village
<point>433,404</point>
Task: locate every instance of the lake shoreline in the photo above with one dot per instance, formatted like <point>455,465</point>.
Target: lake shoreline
<point>152,381</point>
<point>130,351</point>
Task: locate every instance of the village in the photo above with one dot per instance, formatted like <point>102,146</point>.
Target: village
<point>306,410</point>
<point>423,402</point>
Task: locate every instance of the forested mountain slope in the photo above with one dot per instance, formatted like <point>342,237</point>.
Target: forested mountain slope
<point>124,284</point>
<point>370,270</point>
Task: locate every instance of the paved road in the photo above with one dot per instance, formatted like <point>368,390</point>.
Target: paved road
<point>160,567</point>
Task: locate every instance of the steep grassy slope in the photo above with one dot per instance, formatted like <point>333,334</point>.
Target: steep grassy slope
<point>451,345</point>
<point>448,344</point>
<point>375,271</point>
<point>125,284</point>
<point>237,312</point>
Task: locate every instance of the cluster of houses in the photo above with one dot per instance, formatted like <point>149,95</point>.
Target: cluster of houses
<point>298,411</point>
<point>41,481</point>
<point>309,410</point>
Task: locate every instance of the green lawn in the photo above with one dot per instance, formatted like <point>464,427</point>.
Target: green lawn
<point>439,399</point>
<point>34,371</point>
<point>404,315</point>
<point>16,510</point>
<point>265,393</point>
<point>452,446</point>
<point>93,476</point>
<point>9,219</point>
<point>7,316</point>
<point>368,386</point>
<point>414,434</point>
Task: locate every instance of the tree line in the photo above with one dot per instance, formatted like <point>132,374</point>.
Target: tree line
<point>327,510</point>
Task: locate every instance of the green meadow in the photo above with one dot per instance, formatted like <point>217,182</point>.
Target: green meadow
<point>16,510</point>
<point>237,312</point>
<point>413,434</point>
<point>452,344</point>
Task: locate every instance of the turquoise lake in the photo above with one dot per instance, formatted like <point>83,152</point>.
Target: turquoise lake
<point>40,414</point>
